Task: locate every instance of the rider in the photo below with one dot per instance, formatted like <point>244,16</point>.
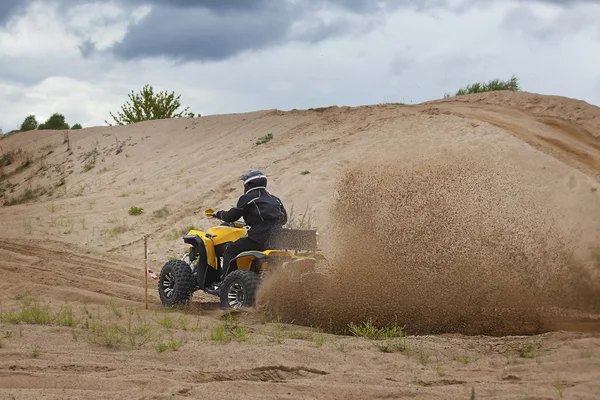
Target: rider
<point>262,212</point>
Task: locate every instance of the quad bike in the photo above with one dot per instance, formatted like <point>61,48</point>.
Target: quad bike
<point>201,269</point>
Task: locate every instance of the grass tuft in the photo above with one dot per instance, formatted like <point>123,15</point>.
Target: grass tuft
<point>162,212</point>
<point>264,139</point>
<point>370,331</point>
<point>526,350</point>
<point>172,345</point>
<point>228,329</point>
<point>134,210</point>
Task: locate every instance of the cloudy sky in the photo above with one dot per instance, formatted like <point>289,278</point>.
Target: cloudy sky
<point>82,58</point>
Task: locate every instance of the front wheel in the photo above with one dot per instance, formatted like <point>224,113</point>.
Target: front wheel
<point>239,289</point>
<point>176,283</point>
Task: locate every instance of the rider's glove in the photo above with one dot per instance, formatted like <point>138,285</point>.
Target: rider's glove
<point>217,215</point>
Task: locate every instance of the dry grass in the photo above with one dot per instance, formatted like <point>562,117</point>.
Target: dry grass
<point>161,213</point>
<point>301,221</point>
<point>27,196</point>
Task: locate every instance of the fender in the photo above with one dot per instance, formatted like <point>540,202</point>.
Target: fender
<point>206,269</point>
<point>203,247</point>
<point>245,260</point>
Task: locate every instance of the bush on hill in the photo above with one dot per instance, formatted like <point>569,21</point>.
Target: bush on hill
<point>56,121</point>
<point>489,86</point>
<point>29,124</point>
<point>148,105</point>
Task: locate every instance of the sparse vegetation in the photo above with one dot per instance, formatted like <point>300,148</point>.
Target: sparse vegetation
<point>112,233</point>
<point>178,233</point>
<point>26,196</point>
<point>76,126</point>
<point>147,105</point>
<point>264,139</point>
<point>119,147</point>
<point>303,221</point>
<point>172,345</point>
<point>319,340</point>
<point>526,350</point>
<point>300,335</point>
<point>228,329</point>
<point>139,332</point>
<point>167,322</point>
<point>392,346</point>
<point>162,212</point>
<point>67,141</point>
<point>89,158</point>
<point>370,331</point>
<point>7,158</point>
<point>559,386</point>
<point>32,313</point>
<point>493,85</point>
<point>108,335</point>
<point>134,210</point>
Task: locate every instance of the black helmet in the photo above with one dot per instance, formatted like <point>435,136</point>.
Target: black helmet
<point>254,179</point>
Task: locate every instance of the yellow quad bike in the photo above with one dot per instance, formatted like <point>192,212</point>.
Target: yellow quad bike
<point>201,269</point>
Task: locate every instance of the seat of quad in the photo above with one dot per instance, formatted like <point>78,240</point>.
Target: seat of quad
<point>293,239</point>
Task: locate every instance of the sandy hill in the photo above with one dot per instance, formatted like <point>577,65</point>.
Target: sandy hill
<point>186,165</point>
<point>66,235</point>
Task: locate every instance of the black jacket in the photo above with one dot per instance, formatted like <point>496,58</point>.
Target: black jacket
<point>262,212</point>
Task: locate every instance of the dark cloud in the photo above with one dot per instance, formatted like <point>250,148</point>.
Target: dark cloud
<point>199,33</point>
<point>215,30</point>
<point>214,5</point>
<point>8,8</point>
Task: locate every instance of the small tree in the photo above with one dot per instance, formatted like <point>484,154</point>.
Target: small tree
<point>147,105</point>
<point>29,124</point>
<point>76,126</point>
<point>56,121</point>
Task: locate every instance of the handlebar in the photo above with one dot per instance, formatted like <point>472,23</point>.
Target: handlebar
<point>236,224</point>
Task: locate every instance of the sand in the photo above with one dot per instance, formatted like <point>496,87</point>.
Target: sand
<point>425,211</point>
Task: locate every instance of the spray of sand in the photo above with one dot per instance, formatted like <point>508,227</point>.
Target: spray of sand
<point>452,246</point>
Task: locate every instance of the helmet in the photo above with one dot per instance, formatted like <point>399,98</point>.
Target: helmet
<point>253,179</point>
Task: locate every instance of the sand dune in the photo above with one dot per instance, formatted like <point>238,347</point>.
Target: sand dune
<point>509,178</point>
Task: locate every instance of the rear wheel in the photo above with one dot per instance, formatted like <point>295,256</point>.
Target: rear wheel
<point>239,289</point>
<point>176,283</point>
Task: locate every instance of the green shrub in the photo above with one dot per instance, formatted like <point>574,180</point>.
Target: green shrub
<point>55,122</point>
<point>490,86</point>
<point>29,124</point>
<point>264,139</point>
<point>133,210</point>
<point>148,105</point>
